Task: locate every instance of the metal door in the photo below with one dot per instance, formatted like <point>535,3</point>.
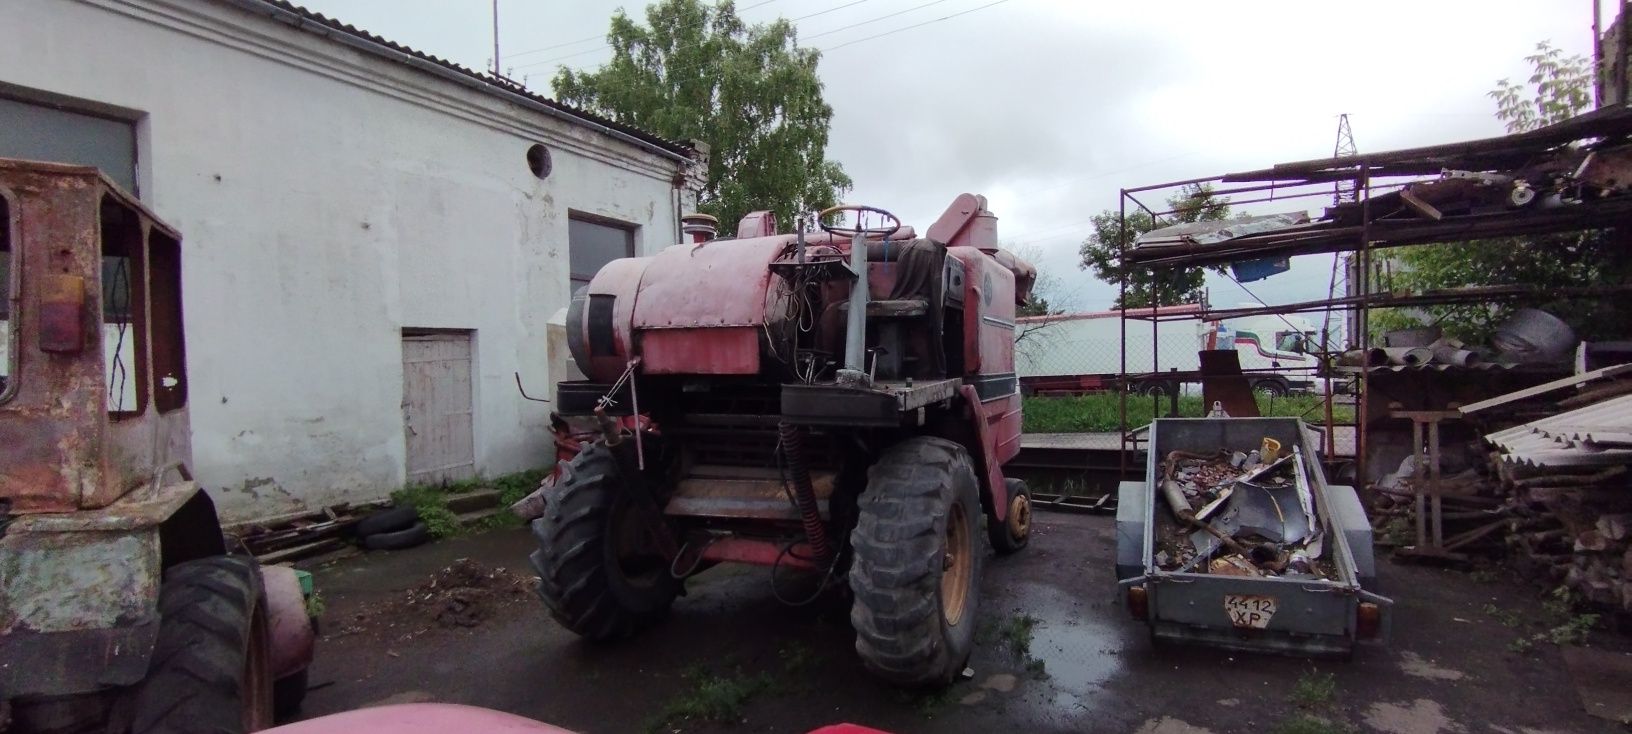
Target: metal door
<point>436,407</point>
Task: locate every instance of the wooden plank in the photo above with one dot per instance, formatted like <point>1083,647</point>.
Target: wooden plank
<point>1547,387</point>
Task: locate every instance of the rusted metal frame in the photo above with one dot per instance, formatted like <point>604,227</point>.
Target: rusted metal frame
<point>1363,190</point>
<point>1122,302</point>
<point>758,552</point>
<point>1474,294</point>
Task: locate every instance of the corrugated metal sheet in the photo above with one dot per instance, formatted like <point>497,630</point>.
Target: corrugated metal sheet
<point>1597,435</point>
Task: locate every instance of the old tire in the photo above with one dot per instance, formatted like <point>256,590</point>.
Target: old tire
<point>388,521</point>
<point>596,575</point>
<point>210,672</point>
<point>416,534</point>
<point>916,573</point>
<point>1015,531</point>
<point>1270,388</point>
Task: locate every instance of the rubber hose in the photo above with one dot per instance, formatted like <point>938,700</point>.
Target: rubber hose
<point>804,494</point>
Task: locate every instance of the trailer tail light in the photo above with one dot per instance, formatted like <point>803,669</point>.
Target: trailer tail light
<point>62,314</point>
<point>1138,602</point>
<point>1368,621</point>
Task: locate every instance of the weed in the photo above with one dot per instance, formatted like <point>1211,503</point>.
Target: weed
<point>1306,724</point>
<point>1520,645</point>
<point>1016,633</point>
<point>929,704</point>
<point>432,504</point>
<point>1574,631</point>
<point>315,605</point>
<point>432,501</point>
<point>1507,617</point>
<point>1037,669</point>
<point>1314,689</point>
<point>711,698</point>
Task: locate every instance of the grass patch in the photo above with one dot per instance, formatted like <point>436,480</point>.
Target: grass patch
<point>928,704</point>
<point>1560,623</point>
<point>1037,669</point>
<point>1306,724</point>
<point>711,698</point>
<point>432,501</point>
<point>1314,689</point>
<point>1015,633</point>
<point>1098,413</point>
<point>432,505</point>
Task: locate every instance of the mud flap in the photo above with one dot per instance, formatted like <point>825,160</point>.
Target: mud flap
<point>1385,624</point>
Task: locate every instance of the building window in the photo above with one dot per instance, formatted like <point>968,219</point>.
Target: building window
<point>593,242</point>
<point>41,132</point>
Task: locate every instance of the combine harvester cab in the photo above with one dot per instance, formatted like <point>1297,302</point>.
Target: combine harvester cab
<point>838,402</point>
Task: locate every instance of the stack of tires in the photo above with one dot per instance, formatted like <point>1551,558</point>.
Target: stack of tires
<point>393,529</point>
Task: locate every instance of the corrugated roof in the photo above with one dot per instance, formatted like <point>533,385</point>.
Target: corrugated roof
<point>1599,434</point>
<point>325,26</point>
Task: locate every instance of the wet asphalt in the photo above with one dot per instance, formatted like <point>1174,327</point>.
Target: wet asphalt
<point>1449,668</point>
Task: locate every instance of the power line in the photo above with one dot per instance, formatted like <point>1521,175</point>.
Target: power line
<point>607,46</point>
<point>915,25</point>
<point>873,20</point>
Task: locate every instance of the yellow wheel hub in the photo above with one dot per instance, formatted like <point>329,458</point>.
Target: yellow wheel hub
<point>1019,520</point>
<point>958,565</point>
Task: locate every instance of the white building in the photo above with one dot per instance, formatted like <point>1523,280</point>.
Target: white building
<point>373,238</point>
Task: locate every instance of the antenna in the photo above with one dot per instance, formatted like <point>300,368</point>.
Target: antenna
<point>1342,191</point>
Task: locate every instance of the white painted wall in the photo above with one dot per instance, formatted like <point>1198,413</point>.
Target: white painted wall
<point>327,199</point>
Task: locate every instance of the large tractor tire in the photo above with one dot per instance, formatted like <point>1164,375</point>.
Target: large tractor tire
<point>210,672</point>
<point>1014,532</point>
<point>598,570</point>
<point>916,574</point>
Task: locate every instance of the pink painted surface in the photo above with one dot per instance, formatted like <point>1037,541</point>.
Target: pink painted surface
<point>993,469</point>
<point>419,718</point>
<point>716,284</point>
<point>708,351</point>
<point>288,626</point>
<point>756,224</point>
<point>737,549</point>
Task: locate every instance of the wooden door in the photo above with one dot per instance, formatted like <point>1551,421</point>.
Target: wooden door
<point>436,407</point>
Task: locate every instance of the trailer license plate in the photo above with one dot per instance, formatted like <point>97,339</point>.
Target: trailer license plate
<point>1249,610</point>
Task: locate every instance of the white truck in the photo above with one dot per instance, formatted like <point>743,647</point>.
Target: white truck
<point>1076,353</point>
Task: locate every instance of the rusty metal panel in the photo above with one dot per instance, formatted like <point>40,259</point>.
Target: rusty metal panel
<point>436,407</point>
<point>707,351</point>
<point>988,317</point>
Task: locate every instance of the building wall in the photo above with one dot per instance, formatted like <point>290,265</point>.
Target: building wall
<point>328,199</point>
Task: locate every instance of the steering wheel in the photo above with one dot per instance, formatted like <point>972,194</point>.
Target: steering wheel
<point>859,209</point>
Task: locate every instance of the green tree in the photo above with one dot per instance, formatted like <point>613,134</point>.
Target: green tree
<point>1562,88</point>
<point>1102,251</point>
<point>696,71</point>
<point>1559,88</point>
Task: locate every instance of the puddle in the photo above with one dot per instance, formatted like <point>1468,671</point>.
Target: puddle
<point>1080,649</point>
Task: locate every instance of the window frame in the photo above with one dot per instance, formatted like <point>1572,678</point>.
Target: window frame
<point>631,232</point>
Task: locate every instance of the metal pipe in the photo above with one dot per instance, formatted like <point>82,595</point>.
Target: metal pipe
<point>804,493</point>
<point>855,333</point>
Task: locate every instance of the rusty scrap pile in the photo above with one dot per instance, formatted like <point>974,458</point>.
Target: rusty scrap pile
<point>1236,513</point>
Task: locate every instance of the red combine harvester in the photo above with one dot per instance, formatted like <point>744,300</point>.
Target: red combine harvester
<point>793,420</point>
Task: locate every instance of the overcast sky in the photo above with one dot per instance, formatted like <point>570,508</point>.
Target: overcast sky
<point>1048,107</point>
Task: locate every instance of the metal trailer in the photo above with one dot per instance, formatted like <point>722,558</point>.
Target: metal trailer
<point>1316,617</point>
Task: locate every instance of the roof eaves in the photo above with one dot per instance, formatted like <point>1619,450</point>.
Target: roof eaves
<point>356,37</point>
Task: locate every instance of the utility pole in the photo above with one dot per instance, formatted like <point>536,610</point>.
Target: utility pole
<point>496,66</point>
